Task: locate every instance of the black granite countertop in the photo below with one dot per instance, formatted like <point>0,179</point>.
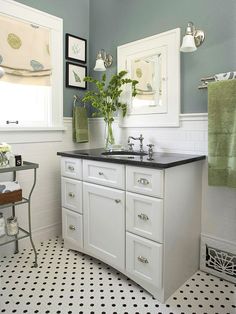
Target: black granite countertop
<point>160,160</point>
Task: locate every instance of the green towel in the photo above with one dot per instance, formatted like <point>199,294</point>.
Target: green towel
<point>222,133</point>
<point>80,125</point>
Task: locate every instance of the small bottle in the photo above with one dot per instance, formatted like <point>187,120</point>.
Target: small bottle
<point>2,225</point>
<point>11,159</point>
<point>12,226</point>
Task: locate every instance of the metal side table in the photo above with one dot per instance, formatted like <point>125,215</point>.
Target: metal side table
<point>25,200</point>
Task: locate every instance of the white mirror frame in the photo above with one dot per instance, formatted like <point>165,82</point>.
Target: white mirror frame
<point>168,116</point>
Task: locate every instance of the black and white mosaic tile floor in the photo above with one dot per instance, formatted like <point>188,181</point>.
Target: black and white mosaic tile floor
<point>70,282</point>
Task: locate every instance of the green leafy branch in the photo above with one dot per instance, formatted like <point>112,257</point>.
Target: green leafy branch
<point>105,98</point>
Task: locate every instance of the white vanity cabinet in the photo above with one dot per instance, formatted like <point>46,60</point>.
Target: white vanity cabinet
<point>143,221</point>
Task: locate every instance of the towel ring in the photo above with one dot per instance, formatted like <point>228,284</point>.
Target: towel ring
<point>76,97</point>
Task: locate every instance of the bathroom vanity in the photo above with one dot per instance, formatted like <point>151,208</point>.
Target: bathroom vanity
<point>141,217</point>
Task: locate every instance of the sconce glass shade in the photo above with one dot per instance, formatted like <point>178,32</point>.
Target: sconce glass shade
<point>2,72</point>
<point>103,61</point>
<point>99,65</point>
<point>188,44</point>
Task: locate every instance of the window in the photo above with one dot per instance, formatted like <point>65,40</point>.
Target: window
<point>31,92</point>
<point>27,105</point>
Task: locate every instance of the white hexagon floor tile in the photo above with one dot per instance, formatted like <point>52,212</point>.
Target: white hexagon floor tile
<point>69,282</point>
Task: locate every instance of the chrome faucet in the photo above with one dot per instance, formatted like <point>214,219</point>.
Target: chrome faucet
<point>140,138</point>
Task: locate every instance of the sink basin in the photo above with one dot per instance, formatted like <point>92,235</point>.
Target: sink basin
<point>124,153</point>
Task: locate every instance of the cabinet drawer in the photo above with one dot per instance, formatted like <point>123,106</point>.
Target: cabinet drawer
<point>72,228</point>
<point>144,259</point>
<point>104,173</point>
<point>144,216</point>
<point>145,181</point>
<point>72,194</point>
<point>71,168</point>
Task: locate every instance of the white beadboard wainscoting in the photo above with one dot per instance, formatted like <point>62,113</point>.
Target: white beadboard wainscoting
<point>218,204</point>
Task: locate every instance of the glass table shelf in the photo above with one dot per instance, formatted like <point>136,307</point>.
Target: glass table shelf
<point>8,239</point>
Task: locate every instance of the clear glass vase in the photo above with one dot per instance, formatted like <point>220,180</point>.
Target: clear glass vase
<point>3,160</point>
<point>109,136</point>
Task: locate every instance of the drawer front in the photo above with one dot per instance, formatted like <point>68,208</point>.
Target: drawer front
<point>71,194</point>
<point>144,216</point>
<point>72,228</point>
<point>104,173</point>
<point>145,181</point>
<point>144,259</point>
<point>71,168</point>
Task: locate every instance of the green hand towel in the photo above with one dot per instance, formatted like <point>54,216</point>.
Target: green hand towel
<point>222,133</point>
<point>80,125</point>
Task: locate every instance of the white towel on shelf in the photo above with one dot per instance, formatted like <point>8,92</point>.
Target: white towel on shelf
<point>225,76</point>
<point>9,186</point>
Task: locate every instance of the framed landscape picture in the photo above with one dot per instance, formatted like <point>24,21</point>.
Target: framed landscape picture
<point>76,48</point>
<point>75,74</point>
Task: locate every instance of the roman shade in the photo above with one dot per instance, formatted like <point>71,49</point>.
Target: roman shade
<point>24,52</point>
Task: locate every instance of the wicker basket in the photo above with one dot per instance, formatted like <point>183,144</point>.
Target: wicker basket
<point>10,197</point>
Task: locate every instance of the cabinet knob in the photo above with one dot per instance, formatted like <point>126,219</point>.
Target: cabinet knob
<point>143,217</point>
<point>143,181</point>
<point>117,201</point>
<point>71,168</point>
<point>142,259</point>
<point>101,173</point>
<point>71,227</point>
<point>71,194</point>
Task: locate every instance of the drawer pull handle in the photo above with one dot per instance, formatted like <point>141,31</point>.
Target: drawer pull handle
<point>71,168</point>
<point>143,217</point>
<point>117,201</point>
<point>143,181</point>
<point>71,227</point>
<point>71,194</point>
<point>143,259</point>
<point>101,173</point>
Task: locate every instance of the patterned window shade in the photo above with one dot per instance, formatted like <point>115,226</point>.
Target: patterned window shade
<point>24,52</point>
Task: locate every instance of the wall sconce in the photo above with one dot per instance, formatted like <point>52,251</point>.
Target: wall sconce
<point>193,38</point>
<point>2,72</point>
<point>103,61</point>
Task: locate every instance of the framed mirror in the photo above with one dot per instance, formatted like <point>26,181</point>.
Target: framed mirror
<point>155,63</point>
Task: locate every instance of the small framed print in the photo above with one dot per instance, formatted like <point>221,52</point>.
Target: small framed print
<point>76,48</point>
<point>75,74</point>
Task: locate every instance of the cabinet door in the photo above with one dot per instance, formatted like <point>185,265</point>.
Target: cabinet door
<point>72,194</point>
<point>144,259</point>
<point>144,216</point>
<point>104,223</point>
<point>72,229</point>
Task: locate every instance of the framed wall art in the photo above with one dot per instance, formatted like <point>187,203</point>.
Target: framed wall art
<point>76,48</point>
<point>75,74</point>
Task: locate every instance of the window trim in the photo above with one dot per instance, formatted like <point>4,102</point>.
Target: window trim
<point>17,10</point>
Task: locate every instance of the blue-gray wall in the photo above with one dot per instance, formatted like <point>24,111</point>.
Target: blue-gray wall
<point>110,23</point>
<point>116,22</point>
<point>75,14</point>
